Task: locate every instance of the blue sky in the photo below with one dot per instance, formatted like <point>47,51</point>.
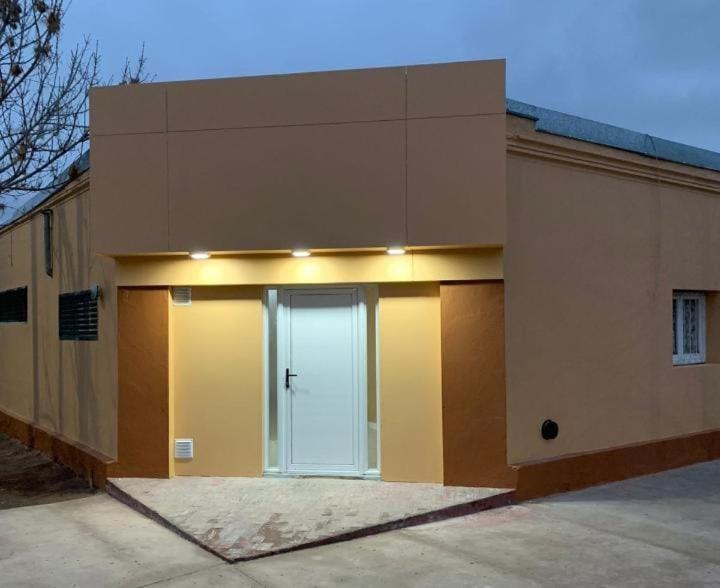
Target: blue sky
<point>649,65</point>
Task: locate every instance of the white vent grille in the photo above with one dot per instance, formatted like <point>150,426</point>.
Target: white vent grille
<point>184,449</point>
<point>182,295</point>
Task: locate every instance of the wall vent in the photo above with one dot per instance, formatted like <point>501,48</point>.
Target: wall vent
<point>182,295</point>
<point>184,449</point>
<point>78,316</point>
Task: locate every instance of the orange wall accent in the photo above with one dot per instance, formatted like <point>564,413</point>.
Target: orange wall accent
<point>143,385</point>
<point>580,471</point>
<point>83,460</point>
<point>473,385</point>
<point>16,427</point>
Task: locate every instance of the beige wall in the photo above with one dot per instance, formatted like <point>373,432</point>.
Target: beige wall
<point>410,383</point>
<point>218,380</point>
<point>67,387</point>
<point>16,339</point>
<point>591,263</point>
<point>357,158</point>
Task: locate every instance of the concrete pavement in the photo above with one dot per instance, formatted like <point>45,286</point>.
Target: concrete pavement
<point>661,530</point>
<point>245,518</point>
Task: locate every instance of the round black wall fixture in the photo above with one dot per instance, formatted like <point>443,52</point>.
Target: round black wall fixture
<point>549,430</point>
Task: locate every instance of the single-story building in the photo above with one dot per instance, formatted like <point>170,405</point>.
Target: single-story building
<point>391,273</point>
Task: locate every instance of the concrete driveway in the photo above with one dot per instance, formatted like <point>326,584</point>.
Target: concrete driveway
<point>661,530</point>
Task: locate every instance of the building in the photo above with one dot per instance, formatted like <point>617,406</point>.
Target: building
<point>410,278</point>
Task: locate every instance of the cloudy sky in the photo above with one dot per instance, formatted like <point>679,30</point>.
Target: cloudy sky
<point>649,65</point>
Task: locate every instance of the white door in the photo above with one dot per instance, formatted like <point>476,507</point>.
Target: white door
<point>320,375</point>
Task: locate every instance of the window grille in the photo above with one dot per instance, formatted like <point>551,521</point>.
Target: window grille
<point>182,295</point>
<point>78,316</point>
<point>13,306</point>
<point>688,327</point>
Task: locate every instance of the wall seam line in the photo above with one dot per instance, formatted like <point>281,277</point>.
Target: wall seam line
<point>307,124</point>
<point>167,170</point>
<point>405,203</point>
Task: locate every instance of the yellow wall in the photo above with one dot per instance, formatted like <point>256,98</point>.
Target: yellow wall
<point>217,344</point>
<point>323,268</point>
<point>68,387</point>
<point>410,383</point>
<point>217,378</point>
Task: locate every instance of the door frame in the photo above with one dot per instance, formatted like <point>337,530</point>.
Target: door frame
<point>283,416</point>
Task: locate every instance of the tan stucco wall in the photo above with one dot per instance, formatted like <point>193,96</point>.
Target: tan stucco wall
<point>591,263</point>
<point>218,380</point>
<point>16,339</point>
<point>365,158</point>
<point>67,387</point>
<point>410,383</point>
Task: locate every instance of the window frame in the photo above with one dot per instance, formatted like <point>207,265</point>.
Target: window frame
<point>680,358</point>
<point>48,240</point>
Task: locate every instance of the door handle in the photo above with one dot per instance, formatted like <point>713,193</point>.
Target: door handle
<point>288,375</point>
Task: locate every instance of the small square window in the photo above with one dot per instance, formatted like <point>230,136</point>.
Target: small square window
<point>688,327</point>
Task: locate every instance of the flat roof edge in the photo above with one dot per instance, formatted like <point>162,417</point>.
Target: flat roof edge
<point>81,164</point>
<point>590,131</point>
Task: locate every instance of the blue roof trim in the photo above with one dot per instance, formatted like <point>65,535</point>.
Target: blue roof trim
<point>82,164</point>
<point>582,129</point>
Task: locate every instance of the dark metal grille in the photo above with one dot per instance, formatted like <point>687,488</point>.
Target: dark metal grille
<point>78,317</point>
<point>13,306</point>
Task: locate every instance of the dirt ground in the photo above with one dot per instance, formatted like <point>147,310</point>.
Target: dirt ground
<point>28,478</point>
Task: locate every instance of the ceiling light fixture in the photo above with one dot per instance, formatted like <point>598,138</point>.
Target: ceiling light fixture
<point>396,250</point>
<point>200,255</point>
<point>300,253</point>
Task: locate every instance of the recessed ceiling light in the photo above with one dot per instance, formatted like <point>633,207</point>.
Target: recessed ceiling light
<point>200,255</point>
<point>301,253</point>
<point>396,250</point>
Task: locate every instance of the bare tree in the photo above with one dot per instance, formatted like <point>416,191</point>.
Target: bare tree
<point>43,95</point>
